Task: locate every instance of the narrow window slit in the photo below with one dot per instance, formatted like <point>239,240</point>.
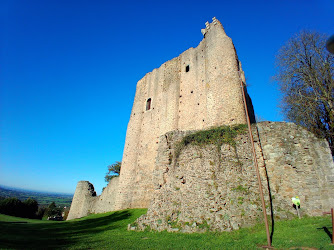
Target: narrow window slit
<point>148,104</point>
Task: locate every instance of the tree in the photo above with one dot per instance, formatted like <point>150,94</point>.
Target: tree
<point>12,206</point>
<point>305,75</point>
<point>53,210</point>
<point>113,171</point>
<point>15,207</point>
<point>30,208</point>
<point>40,213</point>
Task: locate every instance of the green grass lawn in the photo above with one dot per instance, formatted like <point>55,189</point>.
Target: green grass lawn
<point>109,231</point>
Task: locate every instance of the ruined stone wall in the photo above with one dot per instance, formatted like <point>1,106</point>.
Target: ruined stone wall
<point>298,164</point>
<point>83,200</point>
<point>203,188</point>
<point>218,190</point>
<point>197,90</point>
<point>86,202</point>
<point>106,201</point>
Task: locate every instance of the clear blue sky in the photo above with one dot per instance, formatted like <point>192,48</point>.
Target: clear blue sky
<point>68,73</point>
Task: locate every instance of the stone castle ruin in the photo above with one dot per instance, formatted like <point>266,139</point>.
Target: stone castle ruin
<point>198,186</point>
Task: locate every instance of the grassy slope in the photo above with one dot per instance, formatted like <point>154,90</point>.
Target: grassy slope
<point>109,231</point>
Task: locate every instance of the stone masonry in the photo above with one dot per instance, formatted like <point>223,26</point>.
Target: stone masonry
<point>83,200</point>
<point>86,202</point>
<point>297,163</point>
<point>206,190</point>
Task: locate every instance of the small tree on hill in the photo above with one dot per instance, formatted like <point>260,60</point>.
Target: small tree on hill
<point>113,171</point>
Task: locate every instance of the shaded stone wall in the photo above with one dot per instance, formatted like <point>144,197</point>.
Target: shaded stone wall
<point>106,201</point>
<point>83,200</point>
<point>204,189</point>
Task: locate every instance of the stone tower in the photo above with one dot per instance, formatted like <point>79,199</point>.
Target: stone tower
<point>199,89</point>
<point>196,90</point>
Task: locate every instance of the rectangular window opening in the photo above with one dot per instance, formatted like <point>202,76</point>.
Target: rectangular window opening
<point>148,104</point>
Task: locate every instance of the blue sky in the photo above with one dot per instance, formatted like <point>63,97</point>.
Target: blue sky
<point>68,73</point>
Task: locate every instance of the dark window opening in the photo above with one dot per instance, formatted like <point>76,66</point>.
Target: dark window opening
<point>148,104</point>
<point>187,68</point>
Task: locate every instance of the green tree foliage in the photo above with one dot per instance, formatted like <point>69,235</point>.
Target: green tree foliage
<point>53,210</point>
<point>113,171</point>
<point>11,206</point>
<point>40,213</point>
<point>15,207</point>
<point>305,75</point>
<point>31,208</point>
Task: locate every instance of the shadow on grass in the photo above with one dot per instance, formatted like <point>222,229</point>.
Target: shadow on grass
<point>58,234</point>
<point>15,222</point>
<point>327,231</point>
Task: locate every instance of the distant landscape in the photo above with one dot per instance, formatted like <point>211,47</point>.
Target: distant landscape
<point>43,198</point>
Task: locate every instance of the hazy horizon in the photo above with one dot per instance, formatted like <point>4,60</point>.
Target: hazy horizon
<point>33,190</point>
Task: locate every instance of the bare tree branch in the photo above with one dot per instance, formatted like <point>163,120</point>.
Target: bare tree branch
<point>305,75</point>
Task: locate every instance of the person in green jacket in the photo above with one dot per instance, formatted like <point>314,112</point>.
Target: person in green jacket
<point>296,204</point>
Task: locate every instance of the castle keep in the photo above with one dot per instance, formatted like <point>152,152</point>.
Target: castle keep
<point>201,89</point>
<point>197,90</point>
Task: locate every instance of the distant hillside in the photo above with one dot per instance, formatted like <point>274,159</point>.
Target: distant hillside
<point>42,197</point>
